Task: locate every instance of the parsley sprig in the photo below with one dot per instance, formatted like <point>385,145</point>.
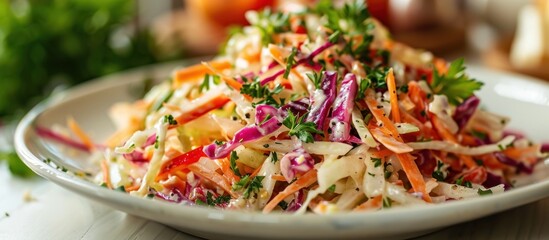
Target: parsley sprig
<point>455,84</point>
<point>439,173</point>
<point>316,78</point>
<point>484,192</point>
<point>170,119</point>
<point>298,127</point>
<point>290,62</point>
<point>208,79</point>
<point>232,164</point>
<point>249,186</point>
<point>349,20</point>
<point>211,201</point>
<point>269,23</point>
<point>264,93</point>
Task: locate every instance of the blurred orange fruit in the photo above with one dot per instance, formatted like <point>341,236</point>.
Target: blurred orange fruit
<point>224,12</point>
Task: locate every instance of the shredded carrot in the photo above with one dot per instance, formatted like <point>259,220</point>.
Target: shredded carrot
<point>279,178</point>
<point>390,142</point>
<point>75,128</point>
<point>490,161</point>
<point>197,72</point>
<point>255,172</point>
<point>106,173</point>
<point>391,85</point>
<point>379,115</point>
<point>276,53</point>
<point>408,164</point>
<point>176,182</point>
<point>213,176</point>
<point>427,132</point>
<point>372,204</point>
<point>389,44</point>
<point>440,65</point>
<point>382,153</point>
<point>250,55</point>
<point>202,108</point>
<point>443,131</point>
<point>227,172</point>
<point>418,97</point>
<point>228,80</point>
<point>448,136</point>
<point>529,153</point>
<point>304,181</point>
<point>467,139</point>
<point>132,188</point>
<point>414,175</point>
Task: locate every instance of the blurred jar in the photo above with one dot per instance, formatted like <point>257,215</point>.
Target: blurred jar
<point>434,25</point>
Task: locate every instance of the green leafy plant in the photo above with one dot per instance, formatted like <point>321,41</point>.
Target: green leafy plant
<point>49,43</point>
<point>44,44</point>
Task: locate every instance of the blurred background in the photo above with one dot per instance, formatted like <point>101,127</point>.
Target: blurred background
<point>49,45</point>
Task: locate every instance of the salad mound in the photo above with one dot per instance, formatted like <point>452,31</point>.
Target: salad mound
<point>317,110</point>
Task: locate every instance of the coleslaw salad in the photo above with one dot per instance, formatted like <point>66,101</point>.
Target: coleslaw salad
<point>318,110</point>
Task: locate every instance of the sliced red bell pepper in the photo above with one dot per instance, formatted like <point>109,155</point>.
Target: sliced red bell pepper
<point>180,162</point>
<point>204,106</point>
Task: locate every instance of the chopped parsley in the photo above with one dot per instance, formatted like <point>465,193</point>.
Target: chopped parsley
<point>478,134</point>
<point>377,161</point>
<point>290,62</point>
<point>156,142</point>
<point>403,89</point>
<point>211,201</point>
<point>274,157</point>
<point>6,214</point>
<point>438,174</point>
<point>387,202</point>
<point>377,77</point>
<point>484,192</point>
<point>385,56</point>
<point>332,188</point>
<point>121,189</point>
<point>460,182</point>
<point>501,148</point>
<point>269,23</point>
<point>233,166</point>
<point>316,78</point>
<point>302,130</point>
<point>387,172</point>
<point>205,85</point>
<point>248,186</point>
<point>170,119</point>
<point>264,93</point>
<point>363,85</point>
<point>455,84</point>
<point>261,123</point>
<point>283,205</point>
<point>334,37</point>
<point>349,19</point>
